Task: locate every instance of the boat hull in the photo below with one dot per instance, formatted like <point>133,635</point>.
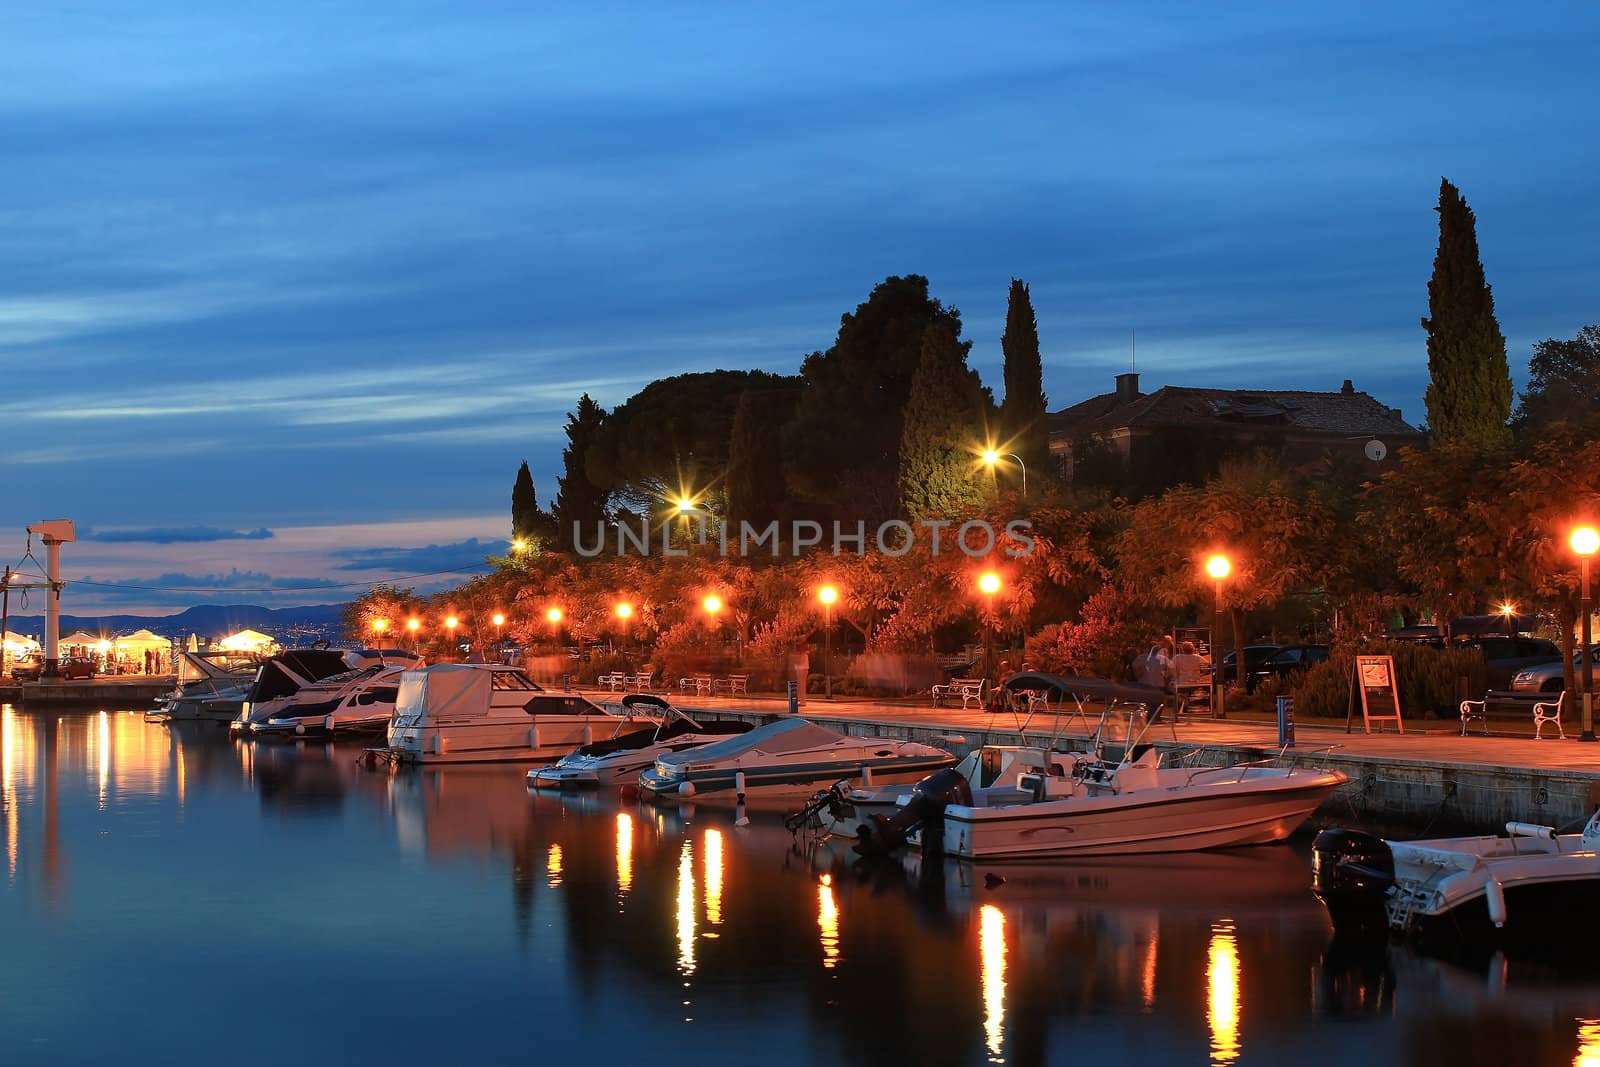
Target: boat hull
<point>521,741</point>
<point>1216,816</point>
<point>784,781</point>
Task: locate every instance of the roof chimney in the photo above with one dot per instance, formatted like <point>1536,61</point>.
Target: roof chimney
<point>1349,388</point>
<point>1128,387</point>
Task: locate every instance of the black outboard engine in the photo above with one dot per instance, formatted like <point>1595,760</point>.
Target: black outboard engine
<point>1352,872</point>
<point>884,834</point>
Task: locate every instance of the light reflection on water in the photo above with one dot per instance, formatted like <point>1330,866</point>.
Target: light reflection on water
<point>145,857</point>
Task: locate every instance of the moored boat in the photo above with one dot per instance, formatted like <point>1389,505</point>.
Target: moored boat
<point>790,757</point>
<point>355,702</point>
<point>618,760</point>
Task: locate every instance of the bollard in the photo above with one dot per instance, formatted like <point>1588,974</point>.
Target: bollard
<point>794,699</point>
<point>566,683</point>
<point>1286,722</point>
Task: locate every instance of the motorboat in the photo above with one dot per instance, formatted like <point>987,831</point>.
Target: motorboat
<point>356,701</point>
<point>291,679</point>
<point>787,757</point>
<point>1515,891</point>
<point>210,685</point>
<point>617,761</point>
<point>487,713</point>
<point>1097,804</point>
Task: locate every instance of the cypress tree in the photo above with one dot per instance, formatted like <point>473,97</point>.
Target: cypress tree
<point>942,427</point>
<point>1022,415</point>
<point>579,501</point>
<point>1469,389</point>
<point>524,505</point>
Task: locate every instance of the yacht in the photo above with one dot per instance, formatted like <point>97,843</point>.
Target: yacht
<point>282,681</point>
<point>487,713</point>
<point>210,685</point>
<point>618,760</point>
<point>787,757</point>
<point>355,701</point>
<point>1518,891</point>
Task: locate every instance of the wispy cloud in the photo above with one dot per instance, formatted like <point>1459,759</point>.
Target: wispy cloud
<point>177,535</point>
<point>465,555</point>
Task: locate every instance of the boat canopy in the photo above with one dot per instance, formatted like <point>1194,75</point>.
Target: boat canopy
<point>1083,688</point>
<point>442,689</point>
<point>773,739</point>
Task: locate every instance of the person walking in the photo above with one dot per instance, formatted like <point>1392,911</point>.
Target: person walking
<point>1156,668</point>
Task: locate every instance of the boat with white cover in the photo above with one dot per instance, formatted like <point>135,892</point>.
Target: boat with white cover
<point>1528,889</point>
<point>488,713</point>
<point>787,757</point>
<point>617,761</point>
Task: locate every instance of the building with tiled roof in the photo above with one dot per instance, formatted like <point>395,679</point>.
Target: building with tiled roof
<point>1298,426</point>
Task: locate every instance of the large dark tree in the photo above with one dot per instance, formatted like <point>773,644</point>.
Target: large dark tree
<point>754,486</point>
<point>670,439</point>
<point>939,470</point>
<point>580,502</point>
<point>1469,389</point>
<point>842,448</point>
<point>1563,384</point>
<point>1022,416</point>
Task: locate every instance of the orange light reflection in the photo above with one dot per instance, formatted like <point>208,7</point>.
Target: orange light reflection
<point>713,866</point>
<point>992,953</point>
<point>1222,980</point>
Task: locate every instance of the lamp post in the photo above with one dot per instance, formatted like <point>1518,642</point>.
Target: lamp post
<point>1585,541</point>
<point>414,625</point>
<point>988,585</point>
<point>499,621</point>
<point>1219,567</point>
<point>829,596</point>
<point>624,613</point>
<point>991,457</point>
<point>378,626</point>
<point>450,624</point>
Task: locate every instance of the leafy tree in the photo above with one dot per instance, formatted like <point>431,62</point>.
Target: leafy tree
<point>1469,391</point>
<point>754,486</point>
<point>1022,416</point>
<point>842,448</point>
<point>671,438</point>
<point>580,502</point>
<point>1563,384</point>
<point>943,417</point>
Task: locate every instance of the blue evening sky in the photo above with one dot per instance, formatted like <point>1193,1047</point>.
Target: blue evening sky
<point>287,291</point>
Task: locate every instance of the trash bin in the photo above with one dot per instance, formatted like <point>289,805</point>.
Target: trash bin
<point>1286,722</point>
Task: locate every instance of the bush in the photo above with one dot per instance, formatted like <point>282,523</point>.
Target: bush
<point>1428,678</point>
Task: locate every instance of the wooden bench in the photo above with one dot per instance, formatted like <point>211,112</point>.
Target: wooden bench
<point>1506,700</point>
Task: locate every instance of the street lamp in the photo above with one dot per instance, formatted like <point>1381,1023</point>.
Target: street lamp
<point>554,615</point>
<point>499,620</point>
<point>624,612</point>
<point>450,625</point>
<point>991,457</point>
<point>378,626</point>
<point>1219,567</point>
<point>988,585</point>
<point>829,596</point>
<point>1585,541</point>
<point>413,625</point>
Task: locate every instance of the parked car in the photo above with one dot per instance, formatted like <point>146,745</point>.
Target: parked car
<point>1505,657</point>
<point>32,668</point>
<point>1286,661</point>
<point>1254,657</point>
<point>1549,677</point>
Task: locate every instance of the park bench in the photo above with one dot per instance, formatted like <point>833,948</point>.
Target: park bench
<point>1543,710</point>
<point>733,685</point>
<point>969,690</point>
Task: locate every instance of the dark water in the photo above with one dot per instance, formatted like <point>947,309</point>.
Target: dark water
<point>173,897</point>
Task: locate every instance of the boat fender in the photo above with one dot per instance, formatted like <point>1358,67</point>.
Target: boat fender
<point>686,789</point>
<point>1494,894</point>
<point>866,777</point>
<point>740,819</point>
<point>533,737</point>
<point>327,723</point>
<point>300,729</point>
<point>438,744</point>
<point>588,734</point>
<point>1529,829</point>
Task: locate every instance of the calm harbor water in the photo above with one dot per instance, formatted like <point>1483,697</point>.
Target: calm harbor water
<point>171,896</point>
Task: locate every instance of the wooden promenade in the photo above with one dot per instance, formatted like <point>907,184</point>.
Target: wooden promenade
<point>1430,777</point>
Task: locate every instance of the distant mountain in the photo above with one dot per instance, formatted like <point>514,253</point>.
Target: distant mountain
<point>208,620</point>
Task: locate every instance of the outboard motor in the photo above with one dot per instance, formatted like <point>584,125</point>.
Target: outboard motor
<point>1352,873</point>
<point>887,833</point>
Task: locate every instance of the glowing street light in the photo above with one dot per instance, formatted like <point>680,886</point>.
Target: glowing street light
<point>450,624</point>
<point>1585,541</point>
<point>829,596</point>
<point>378,626</point>
<point>519,545</point>
<point>624,611</point>
<point>413,625</point>
<point>991,458</point>
<point>712,604</point>
<point>685,505</point>
<point>988,584</point>
<point>1219,567</point>
<point>554,615</point>
<point>499,621</point>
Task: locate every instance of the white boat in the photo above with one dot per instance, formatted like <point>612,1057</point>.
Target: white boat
<point>356,701</point>
<point>617,761</point>
<point>308,677</point>
<point>488,713</point>
<point>210,685</point>
<point>788,757</point>
<point>1519,891</point>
